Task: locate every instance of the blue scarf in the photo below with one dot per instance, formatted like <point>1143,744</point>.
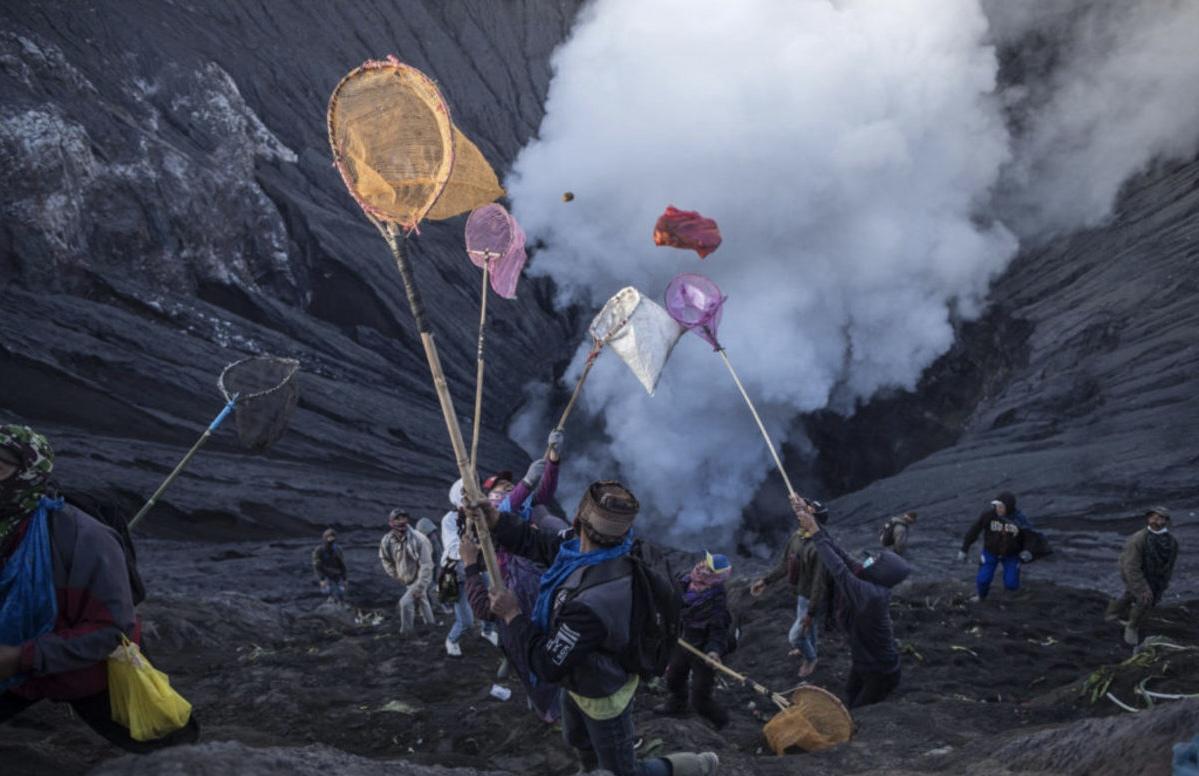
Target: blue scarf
<point>525,511</point>
<point>30,601</point>
<point>569,560</point>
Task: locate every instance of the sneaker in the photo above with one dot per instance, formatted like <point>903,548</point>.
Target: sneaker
<point>807,668</point>
<point>1131,637</point>
<point>491,636</point>
<point>974,599</point>
<point>452,649</point>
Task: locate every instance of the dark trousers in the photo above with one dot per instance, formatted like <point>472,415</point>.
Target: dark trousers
<point>607,743</point>
<point>684,665</point>
<point>96,711</point>
<point>867,687</point>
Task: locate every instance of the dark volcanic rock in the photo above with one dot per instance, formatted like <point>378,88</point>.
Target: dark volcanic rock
<point>1087,409</point>
<point>169,206</point>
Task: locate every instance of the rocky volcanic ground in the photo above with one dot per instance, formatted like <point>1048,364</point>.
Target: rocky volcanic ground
<point>992,688</point>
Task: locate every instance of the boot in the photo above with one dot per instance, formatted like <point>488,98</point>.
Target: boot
<point>692,764</point>
<point>674,705</point>
<point>712,711</point>
<point>1131,637</point>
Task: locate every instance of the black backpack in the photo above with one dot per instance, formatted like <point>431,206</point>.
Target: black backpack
<point>656,621</point>
<point>113,516</point>
<point>656,617</point>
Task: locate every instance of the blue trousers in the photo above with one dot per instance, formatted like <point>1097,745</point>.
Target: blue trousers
<point>607,743</point>
<point>806,643</point>
<point>463,617</point>
<point>986,573</point>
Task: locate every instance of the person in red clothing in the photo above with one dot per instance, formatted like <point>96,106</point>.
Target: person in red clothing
<point>66,603</point>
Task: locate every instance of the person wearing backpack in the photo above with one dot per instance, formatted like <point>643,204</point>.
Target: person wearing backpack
<point>894,535</point>
<point>66,598</point>
<point>707,625</point>
<point>588,630</point>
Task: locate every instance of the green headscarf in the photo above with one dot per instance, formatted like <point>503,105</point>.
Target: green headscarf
<point>20,493</point>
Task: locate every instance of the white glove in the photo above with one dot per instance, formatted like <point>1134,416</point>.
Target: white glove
<point>556,437</point>
<point>533,475</point>
<point>961,556</point>
<point>1025,556</point>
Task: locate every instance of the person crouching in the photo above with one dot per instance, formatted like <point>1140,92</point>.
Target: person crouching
<point>706,624</point>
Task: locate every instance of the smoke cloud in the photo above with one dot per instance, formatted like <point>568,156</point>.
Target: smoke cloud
<point>850,152</point>
<point>1105,88</point>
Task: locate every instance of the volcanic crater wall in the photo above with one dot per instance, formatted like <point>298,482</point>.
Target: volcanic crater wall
<point>169,206</point>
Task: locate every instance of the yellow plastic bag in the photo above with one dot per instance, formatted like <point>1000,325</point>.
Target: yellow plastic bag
<point>141,695</point>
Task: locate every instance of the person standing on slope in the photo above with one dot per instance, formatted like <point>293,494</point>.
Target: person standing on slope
<point>1004,530</point>
<point>1146,565</point>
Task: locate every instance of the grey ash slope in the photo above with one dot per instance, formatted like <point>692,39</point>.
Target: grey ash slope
<point>169,206</point>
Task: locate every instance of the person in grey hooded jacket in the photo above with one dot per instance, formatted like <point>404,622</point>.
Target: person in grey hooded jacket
<point>863,599</point>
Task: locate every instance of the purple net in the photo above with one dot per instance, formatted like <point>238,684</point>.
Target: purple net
<point>492,235</point>
<point>695,302</point>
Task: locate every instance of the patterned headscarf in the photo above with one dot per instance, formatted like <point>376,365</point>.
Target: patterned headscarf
<point>19,494</point>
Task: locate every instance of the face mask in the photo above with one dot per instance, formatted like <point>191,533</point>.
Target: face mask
<point>1159,531</point>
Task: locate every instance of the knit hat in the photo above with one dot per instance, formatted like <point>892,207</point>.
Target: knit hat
<point>609,508</point>
<point>887,569</point>
<point>719,564</point>
<point>1159,510</point>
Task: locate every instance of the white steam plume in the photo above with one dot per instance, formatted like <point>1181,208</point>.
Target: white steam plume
<point>851,152</point>
<point>844,151</point>
<point>1113,85</point>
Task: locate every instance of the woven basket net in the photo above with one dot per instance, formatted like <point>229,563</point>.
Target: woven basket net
<point>398,151</point>
<point>815,720</point>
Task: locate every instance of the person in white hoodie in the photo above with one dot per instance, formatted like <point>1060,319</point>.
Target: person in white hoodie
<point>451,562</point>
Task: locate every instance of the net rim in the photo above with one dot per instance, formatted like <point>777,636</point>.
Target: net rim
<point>292,364</point>
<point>390,63</point>
<point>618,297</point>
<point>480,257</point>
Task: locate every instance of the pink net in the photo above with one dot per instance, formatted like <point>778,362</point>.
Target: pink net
<point>687,229</point>
<point>696,303</point>
<point>492,235</point>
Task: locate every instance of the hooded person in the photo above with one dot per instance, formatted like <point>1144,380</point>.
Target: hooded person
<point>706,625</point>
<point>580,628</point>
<point>453,524</point>
<point>862,592</point>
<point>1146,566</point>
<point>65,597</point>
<point>329,565</point>
<point>1005,531</point>
<point>800,564</point>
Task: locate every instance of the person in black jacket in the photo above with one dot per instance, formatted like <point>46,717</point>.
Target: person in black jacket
<point>1005,531</point>
<point>863,599</point>
<point>706,624</point>
<point>581,627</point>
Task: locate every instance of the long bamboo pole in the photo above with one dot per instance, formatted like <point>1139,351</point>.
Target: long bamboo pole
<point>212,427</point>
<point>778,700</point>
<point>774,453</point>
<point>574,396</point>
<point>470,483</point>
<point>474,431</point>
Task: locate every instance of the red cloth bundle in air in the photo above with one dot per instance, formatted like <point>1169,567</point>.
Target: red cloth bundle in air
<point>687,229</point>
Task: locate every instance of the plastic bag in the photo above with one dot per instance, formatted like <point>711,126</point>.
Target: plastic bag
<point>141,696</point>
<point>687,229</point>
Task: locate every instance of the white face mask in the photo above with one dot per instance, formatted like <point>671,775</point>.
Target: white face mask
<point>1159,531</point>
